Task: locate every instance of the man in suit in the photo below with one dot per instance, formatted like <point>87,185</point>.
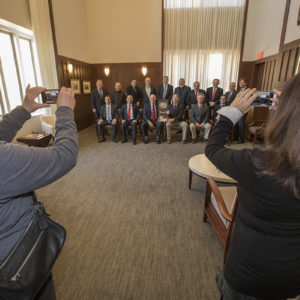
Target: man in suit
<point>134,91</point>
<point>223,103</point>
<point>108,116</point>
<point>118,97</point>
<point>200,115</point>
<point>165,90</point>
<point>150,115</point>
<point>231,94</point>
<point>242,121</point>
<point>183,92</point>
<point>146,91</point>
<point>130,115</point>
<point>97,100</point>
<point>213,94</point>
<point>176,117</point>
<point>194,94</point>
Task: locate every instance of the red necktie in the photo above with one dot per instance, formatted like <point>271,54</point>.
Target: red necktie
<point>128,112</point>
<point>196,94</point>
<point>153,113</point>
<point>213,95</point>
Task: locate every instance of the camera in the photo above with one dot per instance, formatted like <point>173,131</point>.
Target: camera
<point>50,96</point>
<point>263,98</point>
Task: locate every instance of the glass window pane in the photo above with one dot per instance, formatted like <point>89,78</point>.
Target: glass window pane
<point>9,70</point>
<point>215,66</point>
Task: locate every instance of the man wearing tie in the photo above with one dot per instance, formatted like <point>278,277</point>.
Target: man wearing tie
<point>200,115</point>
<point>130,115</point>
<point>242,122</point>
<point>146,91</point>
<point>183,92</point>
<point>134,91</point>
<point>194,94</point>
<point>108,116</point>
<point>150,115</point>
<point>176,116</point>
<point>213,94</point>
<point>165,90</point>
<point>97,100</point>
<point>230,95</point>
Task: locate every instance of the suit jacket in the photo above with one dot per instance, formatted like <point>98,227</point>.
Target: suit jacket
<point>147,112</point>
<point>97,101</point>
<point>200,117</point>
<point>231,98</point>
<point>135,109</point>
<point>218,94</point>
<point>136,94</point>
<point>144,96</point>
<point>169,93</point>
<point>193,99</point>
<point>179,114</point>
<point>114,112</point>
<point>216,108</point>
<point>184,95</point>
<point>118,98</point>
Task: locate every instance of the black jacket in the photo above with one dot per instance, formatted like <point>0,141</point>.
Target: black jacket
<point>144,96</point>
<point>114,112</point>
<point>97,101</point>
<point>135,93</point>
<point>192,99</point>
<point>209,93</point>
<point>118,98</point>
<point>135,109</point>
<point>231,98</point>
<point>178,115</point>
<point>184,95</point>
<point>169,94</point>
<point>147,112</point>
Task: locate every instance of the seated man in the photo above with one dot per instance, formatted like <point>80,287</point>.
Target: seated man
<point>176,117</point>
<point>200,115</point>
<point>150,115</point>
<point>108,116</point>
<point>223,102</point>
<point>130,115</point>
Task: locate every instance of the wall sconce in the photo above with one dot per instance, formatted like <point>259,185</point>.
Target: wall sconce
<point>106,71</point>
<point>144,71</point>
<point>70,68</point>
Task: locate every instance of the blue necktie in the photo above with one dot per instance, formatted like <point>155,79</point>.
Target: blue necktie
<point>107,114</point>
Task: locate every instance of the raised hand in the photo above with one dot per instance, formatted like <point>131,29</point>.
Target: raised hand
<point>29,102</point>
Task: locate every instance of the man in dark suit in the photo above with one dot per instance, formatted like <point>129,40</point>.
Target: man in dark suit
<point>146,91</point>
<point>97,99</point>
<point>108,116</point>
<point>223,103</point>
<point>242,122</point>
<point>213,94</point>
<point>200,115</point>
<point>183,92</point>
<point>130,115</point>
<point>165,90</point>
<point>194,94</point>
<point>231,94</point>
<point>134,91</point>
<point>176,117</point>
<point>118,97</point>
<point>150,115</point>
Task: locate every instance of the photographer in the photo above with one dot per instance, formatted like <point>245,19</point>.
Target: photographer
<point>263,260</point>
<point>24,169</point>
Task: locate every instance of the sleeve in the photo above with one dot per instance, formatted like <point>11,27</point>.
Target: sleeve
<point>193,116</point>
<point>138,114</point>
<point>12,122</point>
<point>180,114</point>
<point>145,115</point>
<point>92,101</point>
<point>27,168</point>
<point>207,116</point>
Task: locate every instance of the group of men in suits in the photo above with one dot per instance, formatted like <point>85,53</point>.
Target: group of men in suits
<point>203,106</point>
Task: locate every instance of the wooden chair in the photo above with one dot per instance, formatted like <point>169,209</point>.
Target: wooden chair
<point>220,207</point>
<point>257,130</point>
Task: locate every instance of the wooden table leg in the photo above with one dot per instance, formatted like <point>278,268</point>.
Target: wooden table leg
<point>190,179</point>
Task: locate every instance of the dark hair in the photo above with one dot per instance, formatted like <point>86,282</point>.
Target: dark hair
<point>165,76</point>
<point>107,96</point>
<point>280,158</point>
<point>243,78</point>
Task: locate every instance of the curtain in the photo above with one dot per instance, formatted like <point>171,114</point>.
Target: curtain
<point>202,40</point>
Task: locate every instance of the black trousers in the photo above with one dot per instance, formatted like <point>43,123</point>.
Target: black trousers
<point>157,125</point>
<point>242,127</point>
<point>47,291</point>
<point>125,127</point>
<point>102,128</point>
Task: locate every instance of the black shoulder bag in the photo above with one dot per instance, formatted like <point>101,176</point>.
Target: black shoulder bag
<point>30,262</point>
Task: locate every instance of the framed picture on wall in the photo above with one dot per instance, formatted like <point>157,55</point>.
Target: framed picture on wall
<point>75,86</point>
<point>86,87</point>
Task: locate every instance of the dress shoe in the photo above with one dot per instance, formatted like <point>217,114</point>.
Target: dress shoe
<point>146,140</point>
<point>114,140</point>
<point>124,141</point>
<point>102,140</point>
<point>194,141</point>
<point>168,142</point>
<point>204,140</point>
<point>134,142</point>
<point>183,142</point>
<point>157,141</point>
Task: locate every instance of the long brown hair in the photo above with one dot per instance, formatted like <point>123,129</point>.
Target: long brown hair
<point>280,158</point>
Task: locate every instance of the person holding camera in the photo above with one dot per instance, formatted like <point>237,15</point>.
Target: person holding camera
<point>24,169</point>
<point>263,261</point>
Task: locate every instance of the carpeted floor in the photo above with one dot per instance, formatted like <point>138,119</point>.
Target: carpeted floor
<point>135,231</point>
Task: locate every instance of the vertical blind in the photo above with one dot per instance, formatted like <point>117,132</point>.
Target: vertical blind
<point>202,40</point>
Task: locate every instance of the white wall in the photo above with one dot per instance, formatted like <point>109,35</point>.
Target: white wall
<point>263,28</point>
<point>292,30</point>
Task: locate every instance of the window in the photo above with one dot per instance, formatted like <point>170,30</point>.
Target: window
<point>18,65</point>
<point>215,65</point>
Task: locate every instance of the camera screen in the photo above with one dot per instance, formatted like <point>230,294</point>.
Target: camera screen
<point>263,98</point>
<point>50,96</point>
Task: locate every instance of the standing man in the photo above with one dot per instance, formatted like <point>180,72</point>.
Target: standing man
<point>194,94</point>
<point>183,92</point>
<point>213,94</point>
<point>146,91</point>
<point>223,103</point>
<point>97,100</point>
<point>150,115</point>
<point>242,121</point>
<point>108,116</point>
<point>134,91</point>
<point>200,115</point>
<point>165,90</point>
<point>231,94</point>
<point>176,116</point>
<point>118,97</point>
<point>130,115</point>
